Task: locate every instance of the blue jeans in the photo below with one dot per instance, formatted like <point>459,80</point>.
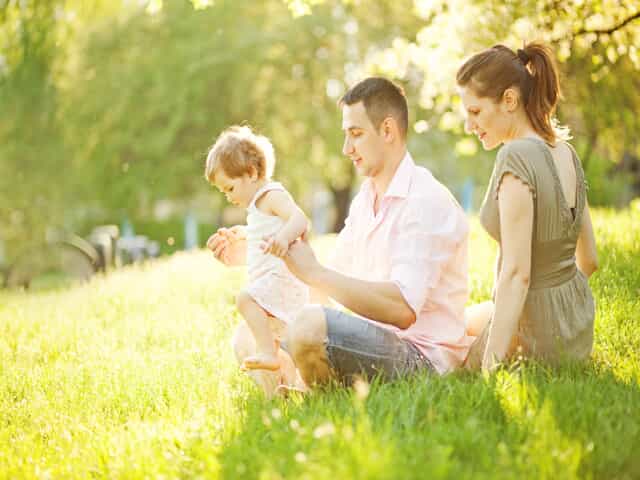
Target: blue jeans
<point>356,346</point>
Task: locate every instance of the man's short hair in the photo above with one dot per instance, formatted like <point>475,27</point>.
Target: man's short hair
<point>382,98</point>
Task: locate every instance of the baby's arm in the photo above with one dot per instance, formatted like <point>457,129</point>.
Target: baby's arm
<point>281,204</point>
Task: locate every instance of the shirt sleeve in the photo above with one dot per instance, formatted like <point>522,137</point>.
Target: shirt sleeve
<point>515,161</point>
<point>430,234</point>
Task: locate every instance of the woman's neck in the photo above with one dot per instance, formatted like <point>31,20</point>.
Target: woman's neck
<point>521,128</point>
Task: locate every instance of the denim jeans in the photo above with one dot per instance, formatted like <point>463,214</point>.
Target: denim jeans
<point>356,346</point>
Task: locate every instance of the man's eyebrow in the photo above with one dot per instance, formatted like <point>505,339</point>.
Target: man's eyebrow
<point>352,127</point>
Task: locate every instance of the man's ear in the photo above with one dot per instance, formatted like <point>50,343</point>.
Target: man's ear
<point>253,173</point>
<point>389,129</point>
<point>511,99</point>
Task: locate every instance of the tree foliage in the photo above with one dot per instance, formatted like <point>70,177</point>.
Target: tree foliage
<point>108,106</point>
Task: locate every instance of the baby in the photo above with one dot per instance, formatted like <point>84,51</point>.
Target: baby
<point>240,164</point>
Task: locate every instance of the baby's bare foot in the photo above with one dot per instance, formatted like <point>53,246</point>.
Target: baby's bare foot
<point>286,391</point>
<point>261,362</point>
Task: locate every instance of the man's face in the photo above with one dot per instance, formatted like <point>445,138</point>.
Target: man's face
<point>362,143</point>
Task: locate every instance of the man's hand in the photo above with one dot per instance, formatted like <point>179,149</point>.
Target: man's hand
<point>276,245</point>
<point>229,245</point>
<point>302,261</point>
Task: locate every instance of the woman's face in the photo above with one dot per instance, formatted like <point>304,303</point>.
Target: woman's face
<point>488,120</point>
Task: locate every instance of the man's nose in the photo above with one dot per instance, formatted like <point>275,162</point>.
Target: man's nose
<point>347,148</point>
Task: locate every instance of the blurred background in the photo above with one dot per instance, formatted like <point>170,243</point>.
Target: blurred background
<point>108,107</point>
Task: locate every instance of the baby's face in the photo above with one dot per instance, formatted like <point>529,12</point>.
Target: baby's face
<point>238,190</point>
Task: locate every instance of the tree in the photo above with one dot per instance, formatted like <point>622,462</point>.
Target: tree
<point>596,42</point>
<point>34,156</point>
<point>107,106</point>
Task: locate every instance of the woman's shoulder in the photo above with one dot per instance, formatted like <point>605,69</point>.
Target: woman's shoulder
<point>523,149</point>
<point>520,158</point>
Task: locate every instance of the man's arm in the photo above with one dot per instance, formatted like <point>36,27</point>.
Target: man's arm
<point>319,297</point>
<point>380,301</point>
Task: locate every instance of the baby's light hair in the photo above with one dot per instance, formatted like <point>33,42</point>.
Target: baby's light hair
<point>236,151</point>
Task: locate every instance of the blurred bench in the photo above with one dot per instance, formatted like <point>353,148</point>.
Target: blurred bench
<point>74,258</point>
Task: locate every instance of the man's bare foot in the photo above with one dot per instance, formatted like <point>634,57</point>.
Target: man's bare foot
<point>261,362</point>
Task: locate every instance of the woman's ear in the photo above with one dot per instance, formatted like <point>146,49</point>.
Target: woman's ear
<point>511,99</point>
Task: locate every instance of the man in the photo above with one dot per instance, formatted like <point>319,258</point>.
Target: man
<point>400,263</point>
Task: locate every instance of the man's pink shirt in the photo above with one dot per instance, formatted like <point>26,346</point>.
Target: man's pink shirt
<point>417,240</point>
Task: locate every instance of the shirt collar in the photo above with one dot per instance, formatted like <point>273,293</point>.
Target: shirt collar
<point>401,181</point>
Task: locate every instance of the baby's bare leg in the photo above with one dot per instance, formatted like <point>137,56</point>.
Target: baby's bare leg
<point>244,346</point>
<point>266,357</point>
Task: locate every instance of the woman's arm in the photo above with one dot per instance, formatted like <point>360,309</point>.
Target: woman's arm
<point>515,203</point>
<point>496,273</point>
<point>586,254</point>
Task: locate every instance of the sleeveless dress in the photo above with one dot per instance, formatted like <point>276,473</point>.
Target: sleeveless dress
<point>270,283</point>
<point>558,316</point>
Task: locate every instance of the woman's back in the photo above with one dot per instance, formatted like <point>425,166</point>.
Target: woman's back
<point>557,318</point>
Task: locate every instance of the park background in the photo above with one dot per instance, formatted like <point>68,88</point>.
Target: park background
<point>107,109</point>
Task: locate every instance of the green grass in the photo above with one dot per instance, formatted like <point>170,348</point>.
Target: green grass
<point>131,376</point>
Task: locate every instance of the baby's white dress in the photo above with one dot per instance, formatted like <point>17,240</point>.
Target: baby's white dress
<point>270,283</point>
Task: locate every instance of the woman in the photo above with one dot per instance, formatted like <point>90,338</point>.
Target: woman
<point>535,208</point>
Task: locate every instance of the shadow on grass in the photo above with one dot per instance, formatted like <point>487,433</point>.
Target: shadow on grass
<point>400,430</point>
<point>532,422</point>
<point>591,412</point>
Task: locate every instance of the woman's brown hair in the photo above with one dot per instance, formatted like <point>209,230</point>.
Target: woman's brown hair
<point>532,70</point>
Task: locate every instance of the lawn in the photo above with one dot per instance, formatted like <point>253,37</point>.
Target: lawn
<point>132,376</point>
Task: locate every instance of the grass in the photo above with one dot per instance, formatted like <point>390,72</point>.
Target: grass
<point>131,376</point>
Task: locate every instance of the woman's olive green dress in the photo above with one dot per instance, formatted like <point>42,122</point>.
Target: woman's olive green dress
<point>557,319</point>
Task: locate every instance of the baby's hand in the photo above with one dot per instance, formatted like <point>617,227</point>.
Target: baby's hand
<point>277,246</point>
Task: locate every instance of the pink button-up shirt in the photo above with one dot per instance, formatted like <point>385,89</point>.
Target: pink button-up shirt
<point>417,240</point>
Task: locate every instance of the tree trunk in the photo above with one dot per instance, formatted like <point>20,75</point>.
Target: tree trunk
<point>586,155</point>
<point>341,200</point>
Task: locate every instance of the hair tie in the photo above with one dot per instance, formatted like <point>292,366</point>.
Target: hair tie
<point>522,55</point>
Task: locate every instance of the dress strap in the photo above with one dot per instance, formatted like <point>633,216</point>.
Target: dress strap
<point>265,188</point>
